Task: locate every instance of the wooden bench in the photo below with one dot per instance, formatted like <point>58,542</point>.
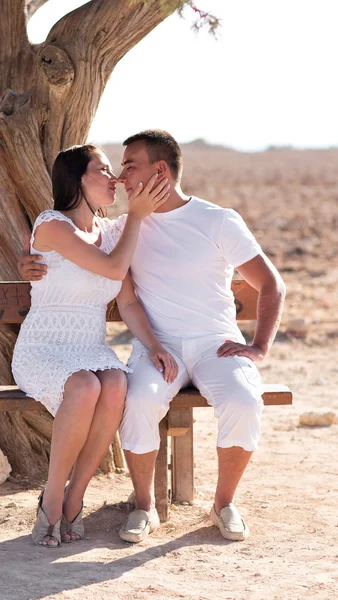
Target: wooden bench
<point>178,424</point>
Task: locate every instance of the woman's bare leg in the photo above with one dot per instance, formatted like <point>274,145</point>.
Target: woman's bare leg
<point>106,420</point>
<point>70,431</point>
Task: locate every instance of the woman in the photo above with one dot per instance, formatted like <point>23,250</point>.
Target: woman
<point>60,357</point>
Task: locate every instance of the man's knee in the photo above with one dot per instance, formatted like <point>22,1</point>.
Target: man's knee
<point>239,418</point>
<point>148,395</point>
<point>247,399</point>
<point>146,404</point>
<point>245,402</point>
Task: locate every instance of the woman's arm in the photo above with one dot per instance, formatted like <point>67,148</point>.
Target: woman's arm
<point>67,241</point>
<point>136,320</point>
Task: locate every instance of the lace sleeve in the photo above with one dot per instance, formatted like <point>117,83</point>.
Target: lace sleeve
<point>44,217</point>
<point>116,227</point>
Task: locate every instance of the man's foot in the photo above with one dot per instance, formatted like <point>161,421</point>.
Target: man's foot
<point>139,524</point>
<point>230,523</point>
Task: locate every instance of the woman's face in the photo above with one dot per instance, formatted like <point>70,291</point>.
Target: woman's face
<point>99,182</point>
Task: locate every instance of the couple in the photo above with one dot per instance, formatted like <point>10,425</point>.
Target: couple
<point>177,302</point>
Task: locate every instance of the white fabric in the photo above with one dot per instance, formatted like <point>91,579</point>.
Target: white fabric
<point>65,329</point>
<point>182,271</point>
<point>183,266</point>
<point>231,385</point>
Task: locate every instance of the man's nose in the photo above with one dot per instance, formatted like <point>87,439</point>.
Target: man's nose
<point>121,178</point>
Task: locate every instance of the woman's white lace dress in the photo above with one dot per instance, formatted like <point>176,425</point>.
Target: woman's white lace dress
<point>65,329</point>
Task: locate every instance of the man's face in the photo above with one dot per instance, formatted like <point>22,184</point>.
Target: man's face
<point>136,167</point>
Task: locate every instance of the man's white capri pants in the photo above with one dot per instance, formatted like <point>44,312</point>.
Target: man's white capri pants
<point>231,385</point>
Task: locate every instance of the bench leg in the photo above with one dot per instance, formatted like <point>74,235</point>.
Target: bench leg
<point>161,473</point>
<point>182,462</point>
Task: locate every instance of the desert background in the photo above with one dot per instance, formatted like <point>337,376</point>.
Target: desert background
<point>288,495</point>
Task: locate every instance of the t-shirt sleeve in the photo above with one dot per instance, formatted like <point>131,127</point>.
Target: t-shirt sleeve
<point>237,243</point>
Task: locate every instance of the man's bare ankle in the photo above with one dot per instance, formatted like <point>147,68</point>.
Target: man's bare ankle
<point>221,503</point>
<point>148,506</point>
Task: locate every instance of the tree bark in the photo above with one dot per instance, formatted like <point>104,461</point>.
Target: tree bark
<point>49,95</point>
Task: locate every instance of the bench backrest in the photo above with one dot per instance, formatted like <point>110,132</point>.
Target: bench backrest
<point>15,301</point>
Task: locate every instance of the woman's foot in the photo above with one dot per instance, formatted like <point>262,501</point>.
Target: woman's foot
<point>45,533</point>
<point>72,528</point>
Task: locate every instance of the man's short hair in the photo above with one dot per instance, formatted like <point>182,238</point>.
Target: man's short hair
<point>160,146</point>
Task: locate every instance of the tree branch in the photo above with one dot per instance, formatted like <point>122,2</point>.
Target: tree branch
<point>21,153</point>
<point>82,65</point>
<point>32,6</point>
<point>110,26</point>
<point>203,18</point>
<point>15,53</point>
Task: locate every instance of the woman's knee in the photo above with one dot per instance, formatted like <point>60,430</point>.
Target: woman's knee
<point>113,387</point>
<point>84,386</point>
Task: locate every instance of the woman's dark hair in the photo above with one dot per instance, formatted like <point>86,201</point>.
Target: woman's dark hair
<point>69,167</point>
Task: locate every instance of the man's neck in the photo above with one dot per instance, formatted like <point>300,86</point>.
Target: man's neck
<point>176,199</point>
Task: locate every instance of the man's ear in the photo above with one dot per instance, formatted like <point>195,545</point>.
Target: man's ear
<point>162,169</point>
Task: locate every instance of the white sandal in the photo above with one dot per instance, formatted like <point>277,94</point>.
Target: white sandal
<point>43,528</point>
<point>75,526</point>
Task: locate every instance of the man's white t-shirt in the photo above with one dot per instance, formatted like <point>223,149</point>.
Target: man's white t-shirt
<point>183,266</point>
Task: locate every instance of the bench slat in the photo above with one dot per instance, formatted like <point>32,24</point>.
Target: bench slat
<point>11,398</point>
<point>273,395</point>
<point>15,301</point>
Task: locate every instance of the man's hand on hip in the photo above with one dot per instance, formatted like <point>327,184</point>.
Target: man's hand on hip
<point>29,269</point>
<point>252,351</point>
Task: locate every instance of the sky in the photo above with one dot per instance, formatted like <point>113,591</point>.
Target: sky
<point>270,79</point>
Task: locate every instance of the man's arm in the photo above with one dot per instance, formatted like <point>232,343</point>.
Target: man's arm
<point>29,269</point>
<point>261,274</point>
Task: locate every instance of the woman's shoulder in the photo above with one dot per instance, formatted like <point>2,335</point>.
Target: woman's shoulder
<point>47,224</point>
<point>51,215</point>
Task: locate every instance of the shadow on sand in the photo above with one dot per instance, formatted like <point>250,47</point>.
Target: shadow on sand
<point>29,572</point>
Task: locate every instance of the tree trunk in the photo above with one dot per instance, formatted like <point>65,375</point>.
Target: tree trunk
<point>49,95</point>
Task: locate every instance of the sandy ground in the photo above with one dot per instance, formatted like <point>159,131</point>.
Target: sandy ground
<point>288,497</point>
<point>288,494</point>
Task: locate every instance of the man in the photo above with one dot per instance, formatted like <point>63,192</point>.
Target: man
<point>182,270</point>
